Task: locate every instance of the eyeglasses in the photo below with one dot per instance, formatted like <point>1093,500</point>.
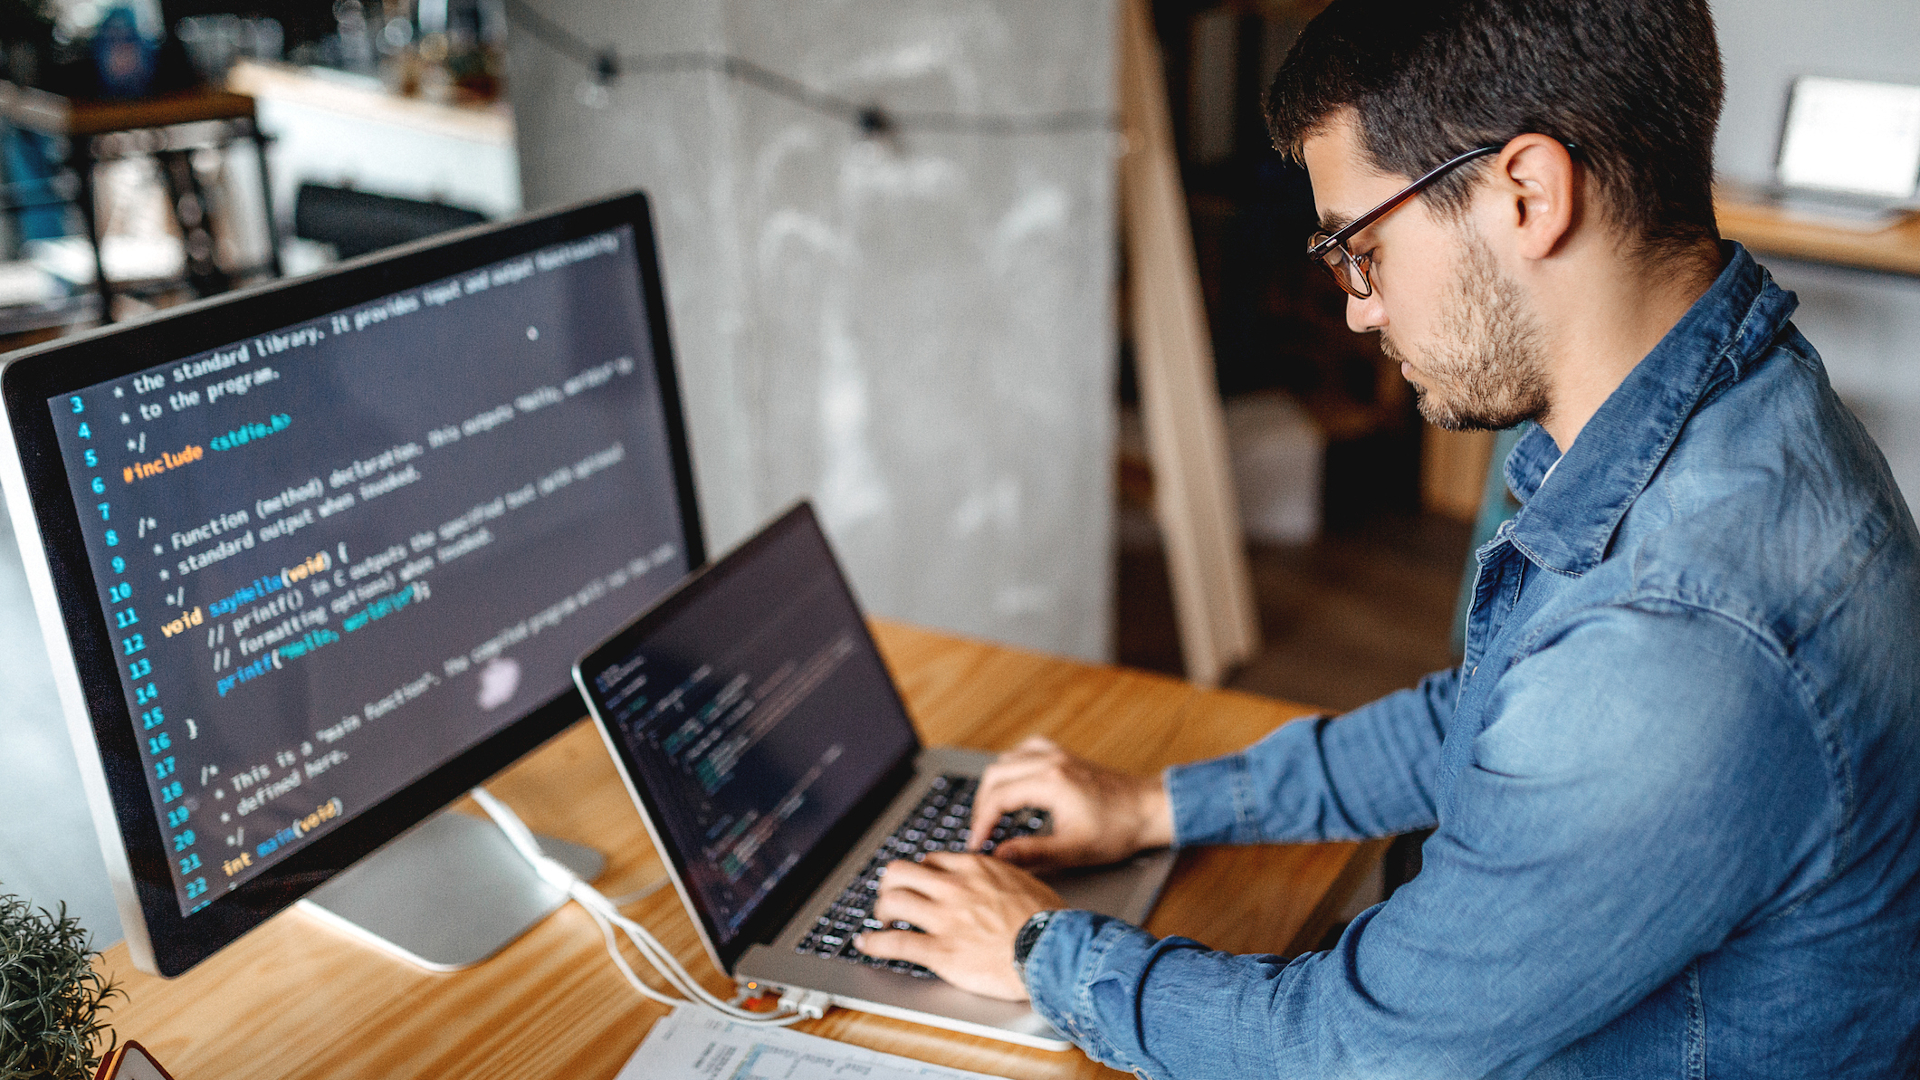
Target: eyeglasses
<point>1350,271</point>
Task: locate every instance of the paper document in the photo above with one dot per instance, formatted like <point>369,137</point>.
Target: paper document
<point>694,1043</point>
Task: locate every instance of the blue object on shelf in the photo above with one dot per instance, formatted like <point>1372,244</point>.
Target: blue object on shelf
<point>126,60</point>
<point>39,212</point>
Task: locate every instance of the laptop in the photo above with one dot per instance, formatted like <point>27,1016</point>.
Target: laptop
<point>1849,151</point>
<point>777,771</point>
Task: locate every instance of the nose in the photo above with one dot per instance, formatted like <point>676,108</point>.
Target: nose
<point>1366,316</point>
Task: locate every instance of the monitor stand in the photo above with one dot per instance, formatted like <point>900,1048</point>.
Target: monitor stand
<point>449,893</point>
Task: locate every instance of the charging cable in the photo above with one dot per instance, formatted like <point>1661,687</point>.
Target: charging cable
<point>793,1007</point>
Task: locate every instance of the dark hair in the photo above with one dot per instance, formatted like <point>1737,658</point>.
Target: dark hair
<point>1636,84</point>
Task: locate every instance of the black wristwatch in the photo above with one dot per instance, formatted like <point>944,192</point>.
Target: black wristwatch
<point>1029,935</point>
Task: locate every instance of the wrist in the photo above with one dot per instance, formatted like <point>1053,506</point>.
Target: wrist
<point>1156,814</point>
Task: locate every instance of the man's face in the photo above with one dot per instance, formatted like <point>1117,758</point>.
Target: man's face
<point>1462,330</point>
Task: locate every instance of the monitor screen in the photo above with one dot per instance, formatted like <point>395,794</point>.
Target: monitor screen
<point>753,714</point>
<point>344,539</point>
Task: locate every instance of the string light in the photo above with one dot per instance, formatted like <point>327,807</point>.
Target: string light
<point>609,67</point>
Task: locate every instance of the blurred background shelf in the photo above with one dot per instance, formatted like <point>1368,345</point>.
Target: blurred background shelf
<point>1771,229</point>
<point>172,130</point>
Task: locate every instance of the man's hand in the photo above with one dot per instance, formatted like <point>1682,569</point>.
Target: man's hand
<point>1099,816</point>
<point>971,908</point>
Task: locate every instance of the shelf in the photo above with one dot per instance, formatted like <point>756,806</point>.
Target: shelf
<point>51,114</point>
<point>1771,230</point>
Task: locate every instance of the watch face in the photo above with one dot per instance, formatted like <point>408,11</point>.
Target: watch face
<point>1029,934</point>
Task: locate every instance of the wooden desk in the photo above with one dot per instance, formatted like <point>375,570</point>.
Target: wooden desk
<point>1769,230</point>
<point>295,999</point>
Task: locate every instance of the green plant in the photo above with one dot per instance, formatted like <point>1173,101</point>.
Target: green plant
<point>51,995</point>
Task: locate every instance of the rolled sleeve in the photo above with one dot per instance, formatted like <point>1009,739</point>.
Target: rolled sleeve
<point>1365,774</point>
<point>1082,975</point>
<point>1114,989</point>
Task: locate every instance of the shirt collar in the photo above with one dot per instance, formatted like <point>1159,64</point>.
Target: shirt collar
<point>1566,526</point>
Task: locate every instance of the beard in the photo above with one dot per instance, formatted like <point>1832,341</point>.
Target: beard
<point>1487,369</point>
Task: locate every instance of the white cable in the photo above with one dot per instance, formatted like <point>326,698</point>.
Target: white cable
<point>606,915</point>
<point>620,961</point>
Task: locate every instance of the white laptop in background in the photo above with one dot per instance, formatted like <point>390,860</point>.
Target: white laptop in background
<point>1849,151</point>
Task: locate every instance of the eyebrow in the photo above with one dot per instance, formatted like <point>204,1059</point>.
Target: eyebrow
<point>1332,222</point>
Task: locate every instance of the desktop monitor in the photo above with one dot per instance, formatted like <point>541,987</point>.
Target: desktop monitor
<point>314,559</point>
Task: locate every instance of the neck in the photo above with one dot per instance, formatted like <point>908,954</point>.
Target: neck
<point>1602,315</point>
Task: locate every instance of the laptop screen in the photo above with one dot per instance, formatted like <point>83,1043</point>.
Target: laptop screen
<point>753,716</point>
<point>1859,138</point>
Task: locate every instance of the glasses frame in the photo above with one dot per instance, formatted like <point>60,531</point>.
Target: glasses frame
<point>1328,243</point>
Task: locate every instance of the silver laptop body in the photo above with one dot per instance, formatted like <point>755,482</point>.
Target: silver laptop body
<point>682,697</point>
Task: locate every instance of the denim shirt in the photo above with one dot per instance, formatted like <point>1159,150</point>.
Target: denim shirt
<point>1676,779</point>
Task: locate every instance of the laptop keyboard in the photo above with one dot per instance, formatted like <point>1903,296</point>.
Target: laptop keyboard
<point>939,823</point>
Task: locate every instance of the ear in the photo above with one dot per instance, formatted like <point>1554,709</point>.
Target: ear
<point>1536,184</point>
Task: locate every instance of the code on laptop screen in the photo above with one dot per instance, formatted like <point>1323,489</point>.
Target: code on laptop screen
<point>336,556</point>
<point>757,714</point>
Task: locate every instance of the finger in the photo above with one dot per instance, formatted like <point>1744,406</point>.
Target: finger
<point>1027,747</point>
<point>1043,777</point>
<point>1036,744</point>
<point>1029,753</point>
<point>988,806</point>
<point>952,864</point>
<point>1015,769</point>
<point>1043,851</point>
<point>895,945</point>
<point>963,872</point>
<point>1034,749</point>
<point>907,875</point>
<point>909,907</point>
<point>1030,850</point>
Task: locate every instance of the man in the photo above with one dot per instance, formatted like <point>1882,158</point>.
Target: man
<point>1676,779</point>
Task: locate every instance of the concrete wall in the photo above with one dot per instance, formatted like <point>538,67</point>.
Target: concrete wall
<point>1866,326</point>
<point>916,331</point>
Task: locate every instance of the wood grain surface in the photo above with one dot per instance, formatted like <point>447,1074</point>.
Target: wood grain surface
<point>297,1000</point>
<point>1770,230</point>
